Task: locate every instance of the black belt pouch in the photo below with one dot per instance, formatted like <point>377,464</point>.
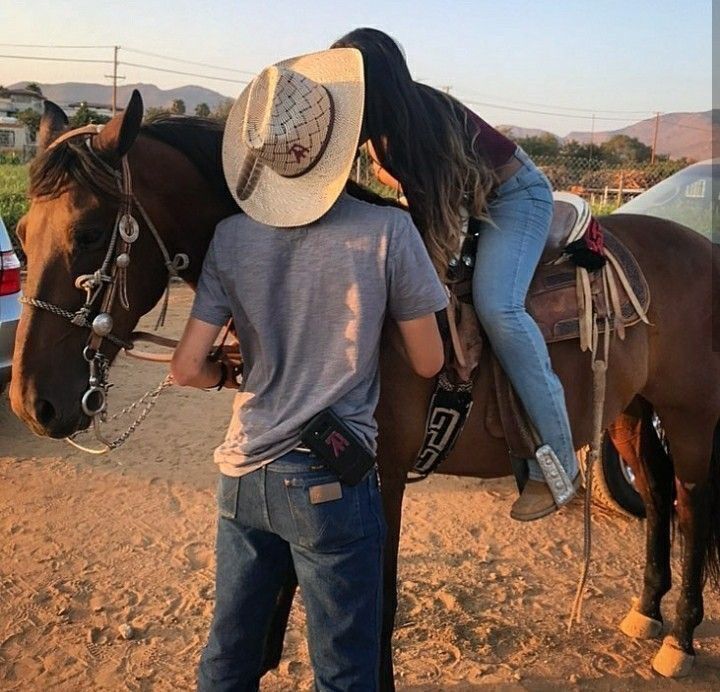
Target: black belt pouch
<point>332,441</point>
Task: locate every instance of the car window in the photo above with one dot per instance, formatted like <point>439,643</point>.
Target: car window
<point>688,197</point>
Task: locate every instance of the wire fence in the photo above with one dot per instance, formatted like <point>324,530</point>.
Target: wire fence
<point>605,185</point>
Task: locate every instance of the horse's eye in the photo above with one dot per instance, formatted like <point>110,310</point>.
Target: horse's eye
<point>90,238</point>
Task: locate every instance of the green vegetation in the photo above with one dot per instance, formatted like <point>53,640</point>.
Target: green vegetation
<point>619,150</point>
<point>178,107</point>
<point>600,209</point>
<point>202,110</point>
<point>31,119</point>
<point>13,196</point>
<point>87,116</point>
<point>155,112</point>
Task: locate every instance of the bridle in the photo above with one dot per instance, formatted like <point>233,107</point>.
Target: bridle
<point>108,284</point>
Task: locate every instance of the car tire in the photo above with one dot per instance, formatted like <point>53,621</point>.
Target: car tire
<point>613,488</point>
<point>619,482</point>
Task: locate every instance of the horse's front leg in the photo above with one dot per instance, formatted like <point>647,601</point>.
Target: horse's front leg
<point>637,442</point>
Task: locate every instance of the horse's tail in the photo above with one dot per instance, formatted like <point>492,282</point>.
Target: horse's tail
<point>711,562</point>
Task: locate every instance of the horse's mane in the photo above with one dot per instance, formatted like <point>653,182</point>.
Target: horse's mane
<point>199,139</point>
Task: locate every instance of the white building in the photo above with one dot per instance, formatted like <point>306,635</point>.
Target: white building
<point>99,108</point>
<point>14,136</point>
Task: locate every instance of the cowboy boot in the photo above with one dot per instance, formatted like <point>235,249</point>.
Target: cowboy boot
<point>535,501</point>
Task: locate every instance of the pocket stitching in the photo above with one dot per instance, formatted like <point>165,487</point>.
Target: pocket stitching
<point>305,490</point>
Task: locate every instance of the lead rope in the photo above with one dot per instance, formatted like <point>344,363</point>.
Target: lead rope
<point>599,371</point>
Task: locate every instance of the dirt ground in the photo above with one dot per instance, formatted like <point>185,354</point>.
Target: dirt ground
<point>93,544</point>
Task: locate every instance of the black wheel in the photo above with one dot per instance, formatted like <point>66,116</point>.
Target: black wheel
<point>620,481</point>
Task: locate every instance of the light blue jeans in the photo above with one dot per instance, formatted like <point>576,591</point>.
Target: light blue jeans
<point>508,252</point>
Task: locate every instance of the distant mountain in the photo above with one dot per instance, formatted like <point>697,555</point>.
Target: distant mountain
<point>515,132</point>
<point>679,134</point>
<point>72,92</point>
<point>692,135</point>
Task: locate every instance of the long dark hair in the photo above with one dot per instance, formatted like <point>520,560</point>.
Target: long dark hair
<point>420,136</point>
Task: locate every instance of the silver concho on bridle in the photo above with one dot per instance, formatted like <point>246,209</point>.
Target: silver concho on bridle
<point>128,228</point>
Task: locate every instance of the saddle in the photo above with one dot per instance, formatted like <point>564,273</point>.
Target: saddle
<point>587,282</point>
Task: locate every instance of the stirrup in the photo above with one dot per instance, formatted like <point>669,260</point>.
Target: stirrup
<point>560,484</point>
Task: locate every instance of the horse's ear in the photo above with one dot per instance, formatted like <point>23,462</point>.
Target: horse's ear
<point>52,123</point>
<point>119,134</point>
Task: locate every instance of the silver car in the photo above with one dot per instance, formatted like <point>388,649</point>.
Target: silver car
<point>9,302</point>
<point>689,197</point>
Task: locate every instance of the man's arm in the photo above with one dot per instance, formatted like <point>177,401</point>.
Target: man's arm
<point>190,366</point>
<point>423,344</point>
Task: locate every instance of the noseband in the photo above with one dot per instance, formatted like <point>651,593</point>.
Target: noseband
<point>108,284</point>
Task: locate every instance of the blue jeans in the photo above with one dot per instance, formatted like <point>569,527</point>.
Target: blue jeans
<point>268,524</point>
<point>508,253</point>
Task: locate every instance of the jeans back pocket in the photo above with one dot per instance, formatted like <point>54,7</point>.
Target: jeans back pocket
<point>327,525</point>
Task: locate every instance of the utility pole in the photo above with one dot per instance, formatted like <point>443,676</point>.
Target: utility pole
<point>114,76</point>
<point>592,136</point>
<point>655,136</point>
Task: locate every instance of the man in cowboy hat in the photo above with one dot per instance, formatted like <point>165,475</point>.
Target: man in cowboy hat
<point>308,275</point>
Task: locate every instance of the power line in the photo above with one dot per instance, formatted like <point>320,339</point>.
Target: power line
<point>188,62</point>
<point>42,57</point>
<point>186,74</point>
<point>528,110</point>
<point>44,45</point>
<point>570,108</point>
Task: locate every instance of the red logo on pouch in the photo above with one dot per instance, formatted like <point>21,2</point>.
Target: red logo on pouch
<point>337,442</point>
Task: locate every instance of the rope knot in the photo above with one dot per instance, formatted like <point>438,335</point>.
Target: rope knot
<point>177,264</point>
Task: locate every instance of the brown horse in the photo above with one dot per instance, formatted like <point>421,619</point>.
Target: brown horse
<point>669,365</point>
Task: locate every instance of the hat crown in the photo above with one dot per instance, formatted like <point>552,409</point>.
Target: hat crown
<point>291,137</point>
<point>287,121</point>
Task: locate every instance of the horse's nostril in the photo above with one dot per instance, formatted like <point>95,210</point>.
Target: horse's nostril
<point>44,412</point>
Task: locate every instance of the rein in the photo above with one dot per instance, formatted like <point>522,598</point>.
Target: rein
<point>106,286</point>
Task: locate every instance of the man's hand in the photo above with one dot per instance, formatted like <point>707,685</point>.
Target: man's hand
<point>190,366</point>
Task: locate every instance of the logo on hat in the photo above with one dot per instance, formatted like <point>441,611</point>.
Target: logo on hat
<point>300,151</point>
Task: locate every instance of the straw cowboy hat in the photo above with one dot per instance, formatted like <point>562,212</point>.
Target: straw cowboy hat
<point>292,136</point>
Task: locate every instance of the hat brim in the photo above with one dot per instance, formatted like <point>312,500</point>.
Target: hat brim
<point>285,202</point>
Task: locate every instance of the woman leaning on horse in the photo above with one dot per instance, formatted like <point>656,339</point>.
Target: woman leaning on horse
<point>450,163</point>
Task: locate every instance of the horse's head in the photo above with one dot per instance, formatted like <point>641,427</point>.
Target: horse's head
<point>74,204</point>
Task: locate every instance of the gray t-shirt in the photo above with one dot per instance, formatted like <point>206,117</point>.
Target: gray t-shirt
<point>309,305</point>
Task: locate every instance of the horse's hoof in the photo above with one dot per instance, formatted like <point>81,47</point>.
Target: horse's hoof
<point>671,661</point>
<point>640,626</point>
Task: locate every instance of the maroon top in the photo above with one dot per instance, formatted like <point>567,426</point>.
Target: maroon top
<point>492,145</point>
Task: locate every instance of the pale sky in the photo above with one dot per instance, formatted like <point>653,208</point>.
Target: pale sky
<point>540,64</point>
